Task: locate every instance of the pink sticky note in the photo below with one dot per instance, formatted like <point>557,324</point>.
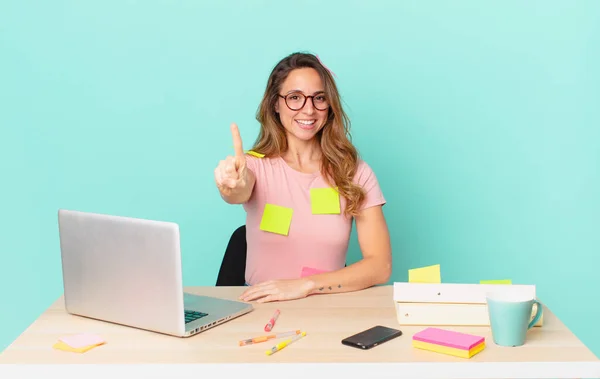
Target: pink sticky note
<point>82,340</point>
<point>306,271</point>
<point>448,338</point>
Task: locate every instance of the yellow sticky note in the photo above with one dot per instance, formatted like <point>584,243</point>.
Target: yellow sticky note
<point>276,219</point>
<point>501,281</point>
<point>82,340</point>
<point>428,274</point>
<point>63,346</point>
<point>325,201</point>
<point>254,153</point>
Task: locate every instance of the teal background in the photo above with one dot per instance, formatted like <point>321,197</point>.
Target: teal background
<point>481,120</point>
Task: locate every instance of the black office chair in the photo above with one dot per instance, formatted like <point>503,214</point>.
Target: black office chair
<point>233,266</point>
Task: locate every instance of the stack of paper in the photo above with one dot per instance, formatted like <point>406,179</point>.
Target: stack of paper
<point>79,343</point>
<point>425,300</point>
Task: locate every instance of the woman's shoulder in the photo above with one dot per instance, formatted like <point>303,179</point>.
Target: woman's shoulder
<point>365,177</point>
<point>364,172</point>
<point>255,160</point>
<point>362,165</point>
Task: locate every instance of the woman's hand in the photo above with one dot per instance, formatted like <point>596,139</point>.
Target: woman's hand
<point>278,290</point>
<point>232,177</point>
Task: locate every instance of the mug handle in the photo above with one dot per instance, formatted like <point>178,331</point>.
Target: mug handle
<point>538,314</point>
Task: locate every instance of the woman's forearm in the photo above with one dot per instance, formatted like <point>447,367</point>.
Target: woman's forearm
<point>363,274</point>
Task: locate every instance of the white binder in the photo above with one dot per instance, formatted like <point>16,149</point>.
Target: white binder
<point>454,304</point>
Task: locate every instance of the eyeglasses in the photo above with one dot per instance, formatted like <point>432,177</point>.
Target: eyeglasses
<point>295,101</point>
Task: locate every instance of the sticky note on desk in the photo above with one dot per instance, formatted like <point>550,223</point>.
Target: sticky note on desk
<point>428,274</point>
<point>324,201</point>
<point>276,219</point>
<point>448,342</point>
<point>81,340</point>
<point>501,281</point>
<point>79,343</point>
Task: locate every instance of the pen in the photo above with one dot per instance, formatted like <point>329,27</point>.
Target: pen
<point>254,340</point>
<point>285,343</point>
<point>271,322</point>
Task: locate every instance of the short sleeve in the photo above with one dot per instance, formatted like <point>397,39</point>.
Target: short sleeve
<point>366,178</point>
<point>252,163</point>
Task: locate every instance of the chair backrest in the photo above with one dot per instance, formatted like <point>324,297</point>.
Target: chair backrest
<point>233,266</point>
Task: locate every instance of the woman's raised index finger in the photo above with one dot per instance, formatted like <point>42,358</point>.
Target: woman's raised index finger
<point>237,141</point>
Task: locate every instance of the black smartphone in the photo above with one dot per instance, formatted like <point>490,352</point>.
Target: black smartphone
<point>371,337</point>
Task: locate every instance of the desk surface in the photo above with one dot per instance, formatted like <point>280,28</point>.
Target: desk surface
<point>550,351</point>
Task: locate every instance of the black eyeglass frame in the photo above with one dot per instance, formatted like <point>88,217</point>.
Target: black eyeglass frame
<point>304,103</point>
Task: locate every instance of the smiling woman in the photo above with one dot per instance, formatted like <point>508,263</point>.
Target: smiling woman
<point>302,185</point>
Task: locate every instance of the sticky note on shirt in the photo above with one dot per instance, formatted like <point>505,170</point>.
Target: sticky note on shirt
<point>307,271</point>
<point>276,219</point>
<point>501,281</point>
<point>325,201</point>
<point>428,274</point>
<point>255,154</point>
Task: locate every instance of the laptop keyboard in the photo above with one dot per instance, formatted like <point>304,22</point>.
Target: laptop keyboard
<point>193,316</point>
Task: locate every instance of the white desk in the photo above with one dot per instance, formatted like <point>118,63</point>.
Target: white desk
<point>551,351</point>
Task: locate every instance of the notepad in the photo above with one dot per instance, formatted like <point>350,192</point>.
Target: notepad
<point>428,274</point>
<point>448,342</point>
<point>276,219</point>
<point>82,339</point>
<point>79,343</point>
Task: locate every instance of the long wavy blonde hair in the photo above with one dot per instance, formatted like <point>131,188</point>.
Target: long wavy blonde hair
<point>340,157</point>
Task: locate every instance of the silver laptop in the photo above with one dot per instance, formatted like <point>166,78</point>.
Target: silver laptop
<point>128,271</point>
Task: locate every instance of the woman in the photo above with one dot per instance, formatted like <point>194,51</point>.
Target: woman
<point>301,185</point>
